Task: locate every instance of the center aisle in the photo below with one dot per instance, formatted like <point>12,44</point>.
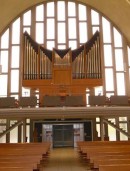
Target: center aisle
<point>64,159</point>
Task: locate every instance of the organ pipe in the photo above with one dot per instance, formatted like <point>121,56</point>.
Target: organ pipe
<point>85,61</point>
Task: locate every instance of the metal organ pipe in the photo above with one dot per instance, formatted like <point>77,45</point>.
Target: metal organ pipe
<point>37,61</point>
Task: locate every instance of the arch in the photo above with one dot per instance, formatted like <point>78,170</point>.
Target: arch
<point>107,8</point>
<point>11,68</point>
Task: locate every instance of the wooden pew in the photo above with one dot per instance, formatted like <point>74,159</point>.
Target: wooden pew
<point>15,169</point>
<point>96,158</point>
<point>97,163</point>
<point>100,143</point>
<point>103,151</point>
<point>103,154</point>
<point>118,167</point>
<point>89,152</point>
<point>22,156</point>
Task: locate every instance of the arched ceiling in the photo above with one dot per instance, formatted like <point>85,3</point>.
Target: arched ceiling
<point>118,11</point>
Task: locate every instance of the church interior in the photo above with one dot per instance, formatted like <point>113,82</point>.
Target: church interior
<point>64,81</point>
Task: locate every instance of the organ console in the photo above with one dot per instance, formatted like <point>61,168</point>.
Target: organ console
<point>62,72</point>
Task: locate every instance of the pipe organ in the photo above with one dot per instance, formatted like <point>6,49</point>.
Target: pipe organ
<point>62,72</point>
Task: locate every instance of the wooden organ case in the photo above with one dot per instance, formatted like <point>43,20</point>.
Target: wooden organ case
<point>62,72</point>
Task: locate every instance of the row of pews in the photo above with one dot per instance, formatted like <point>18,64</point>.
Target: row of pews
<point>105,155</point>
<point>23,156</point>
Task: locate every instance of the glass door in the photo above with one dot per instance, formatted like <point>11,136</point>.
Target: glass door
<point>63,136</point>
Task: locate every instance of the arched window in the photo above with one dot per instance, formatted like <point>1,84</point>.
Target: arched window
<point>64,24</point>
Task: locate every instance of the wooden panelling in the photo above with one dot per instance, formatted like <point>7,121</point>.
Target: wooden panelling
<point>62,76</point>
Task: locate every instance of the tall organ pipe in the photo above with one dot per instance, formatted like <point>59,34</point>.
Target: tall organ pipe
<point>86,61</point>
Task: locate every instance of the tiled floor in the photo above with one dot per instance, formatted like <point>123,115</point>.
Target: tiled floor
<point>64,159</point>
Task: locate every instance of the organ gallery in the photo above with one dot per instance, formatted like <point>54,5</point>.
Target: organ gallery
<point>62,72</point>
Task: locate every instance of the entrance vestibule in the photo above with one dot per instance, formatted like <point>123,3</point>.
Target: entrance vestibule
<point>64,134</point>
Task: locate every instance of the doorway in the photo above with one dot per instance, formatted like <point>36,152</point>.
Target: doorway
<point>63,136</point>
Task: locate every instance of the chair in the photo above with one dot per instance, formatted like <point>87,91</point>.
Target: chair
<point>96,100</point>
<point>119,100</point>
<point>50,101</point>
<point>74,101</point>
<point>7,102</point>
<point>28,101</point>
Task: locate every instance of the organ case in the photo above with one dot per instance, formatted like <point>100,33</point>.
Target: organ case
<point>58,72</point>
